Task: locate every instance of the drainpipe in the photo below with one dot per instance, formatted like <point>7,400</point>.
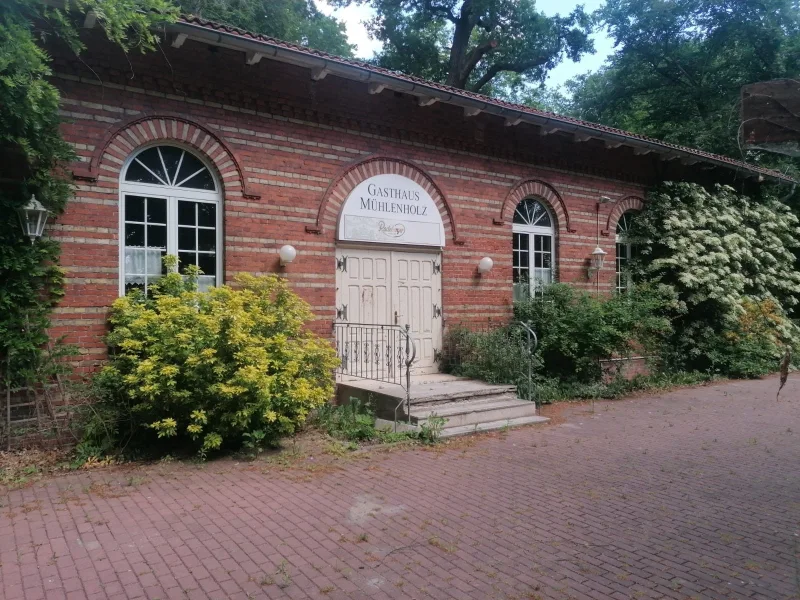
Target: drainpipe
<point>789,195</point>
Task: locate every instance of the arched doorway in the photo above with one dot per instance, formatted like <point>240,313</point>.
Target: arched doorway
<point>388,257</point>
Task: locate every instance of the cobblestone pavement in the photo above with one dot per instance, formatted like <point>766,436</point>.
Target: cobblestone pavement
<point>691,494</point>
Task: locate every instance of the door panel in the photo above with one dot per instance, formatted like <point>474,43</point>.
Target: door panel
<point>417,290</point>
<point>365,287</point>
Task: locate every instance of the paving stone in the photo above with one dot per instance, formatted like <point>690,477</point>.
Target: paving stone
<point>689,494</point>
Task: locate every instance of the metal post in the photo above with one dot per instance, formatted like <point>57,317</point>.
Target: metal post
<point>408,373</point>
<point>8,401</point>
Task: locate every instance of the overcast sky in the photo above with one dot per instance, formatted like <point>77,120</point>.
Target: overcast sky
<point>353,16</point>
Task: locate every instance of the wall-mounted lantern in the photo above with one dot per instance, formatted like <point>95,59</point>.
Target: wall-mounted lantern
<point>287,254</point>
<point>596,260</point>
<point>485,265</point>
<point>32,217</point>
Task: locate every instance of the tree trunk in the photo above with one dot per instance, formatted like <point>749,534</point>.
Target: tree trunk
<point>456,76</point>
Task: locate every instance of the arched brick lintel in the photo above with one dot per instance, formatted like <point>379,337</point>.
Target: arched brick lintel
<point>355,173</point>
<point>123,141</point>
<point>541,189</point>
<point>620,208</point>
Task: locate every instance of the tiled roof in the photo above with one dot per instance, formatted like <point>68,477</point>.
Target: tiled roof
<point>585,125</point>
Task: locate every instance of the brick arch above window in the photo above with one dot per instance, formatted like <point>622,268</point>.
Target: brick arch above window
<point>109,157</point>
<point>529,188</point>
<point>633,203</point>
<point>347,180</point>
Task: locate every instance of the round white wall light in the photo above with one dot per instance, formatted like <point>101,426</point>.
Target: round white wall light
<point>485,265</point>
<point>287,254</point>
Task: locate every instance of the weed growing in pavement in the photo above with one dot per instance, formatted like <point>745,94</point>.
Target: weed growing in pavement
<point>283,572</point>
<point>431,430</point>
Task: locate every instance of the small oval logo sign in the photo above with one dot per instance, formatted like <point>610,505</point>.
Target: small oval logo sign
<point>395,231</point>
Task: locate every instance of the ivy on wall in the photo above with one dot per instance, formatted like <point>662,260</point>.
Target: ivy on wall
<point>32,155</point>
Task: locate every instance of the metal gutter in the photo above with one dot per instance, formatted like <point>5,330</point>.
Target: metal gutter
<point>355,73</point>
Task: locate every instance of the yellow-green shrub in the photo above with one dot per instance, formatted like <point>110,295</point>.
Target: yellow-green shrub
<point>203,370</point>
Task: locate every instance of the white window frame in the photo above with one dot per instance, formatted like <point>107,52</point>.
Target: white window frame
<point>532,230</point>
<point>621,286</point>
<point>173,195</point>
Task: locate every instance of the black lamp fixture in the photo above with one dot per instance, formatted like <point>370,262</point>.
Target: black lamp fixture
<point>33,217</point>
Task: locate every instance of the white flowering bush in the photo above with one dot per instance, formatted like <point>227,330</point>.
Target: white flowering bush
<point>730,261</point>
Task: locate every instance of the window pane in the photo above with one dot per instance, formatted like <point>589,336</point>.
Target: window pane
<point>134,283</point>
<point>537,242</point>
<point>524,259</point>
<point>152,161</point>
<point>142,261</point>
<point>186,238</point>
<point>206,239</point>
<point>156,210</point>
<point>138,174</point>
<point>134,235</point>
<point>537,260</point>
<point>201,181</point>
<point>206,214</point>
<point>206,281</point>
<point>546,242</point>
<point>190,166</point>
<point>171,156</point>
<point>134,208</point>
<point>186,214</point>
<point>547,260</point>
<point>532,212</point>
<point>156,236</point>
<point>208,263</point>
<point>185,259</point>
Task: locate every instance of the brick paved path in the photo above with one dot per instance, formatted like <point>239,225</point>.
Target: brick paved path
<point>693,494</point>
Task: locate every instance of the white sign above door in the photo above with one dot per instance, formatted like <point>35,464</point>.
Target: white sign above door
<point>391,209</point>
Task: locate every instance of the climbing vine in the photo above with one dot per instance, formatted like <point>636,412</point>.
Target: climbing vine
<point>33,153</point>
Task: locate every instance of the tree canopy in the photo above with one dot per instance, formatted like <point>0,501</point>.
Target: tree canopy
<point>679,67</point>
<point>476,44</point>
<point>290,20</point>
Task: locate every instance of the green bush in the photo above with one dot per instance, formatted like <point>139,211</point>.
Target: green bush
<point>496,356</point>
<point>354,421</point>
<point>577,330</point>
<point>201,371</point>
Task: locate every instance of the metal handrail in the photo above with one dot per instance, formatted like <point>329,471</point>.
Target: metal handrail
<point>377,352</point>
<point>409,361</point>
<point>533,343</point>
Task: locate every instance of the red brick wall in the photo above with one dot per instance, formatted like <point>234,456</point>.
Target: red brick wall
<point>279,140</point>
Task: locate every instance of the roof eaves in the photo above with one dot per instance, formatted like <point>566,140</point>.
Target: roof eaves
<point>322,63</point>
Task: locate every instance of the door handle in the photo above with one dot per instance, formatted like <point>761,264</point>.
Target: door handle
<point>396,317</point>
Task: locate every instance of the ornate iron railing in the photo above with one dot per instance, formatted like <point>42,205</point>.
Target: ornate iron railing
<point>377,352</point>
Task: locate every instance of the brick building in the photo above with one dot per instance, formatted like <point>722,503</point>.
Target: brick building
<point>226,146</point>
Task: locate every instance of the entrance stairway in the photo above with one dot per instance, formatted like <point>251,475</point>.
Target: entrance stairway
<point>466,405</point>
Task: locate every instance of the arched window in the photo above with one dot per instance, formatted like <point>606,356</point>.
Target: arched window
<point>170,203</point>
<point>625,251</point>
<point>533,248</point>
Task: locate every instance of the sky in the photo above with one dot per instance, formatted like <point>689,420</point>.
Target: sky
<point>353,17</point>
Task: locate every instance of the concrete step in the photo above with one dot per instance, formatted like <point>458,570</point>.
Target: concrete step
<point>464,429</point>
<point>492,426</point>
<point>484,391</point>
<point>501,407</point>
